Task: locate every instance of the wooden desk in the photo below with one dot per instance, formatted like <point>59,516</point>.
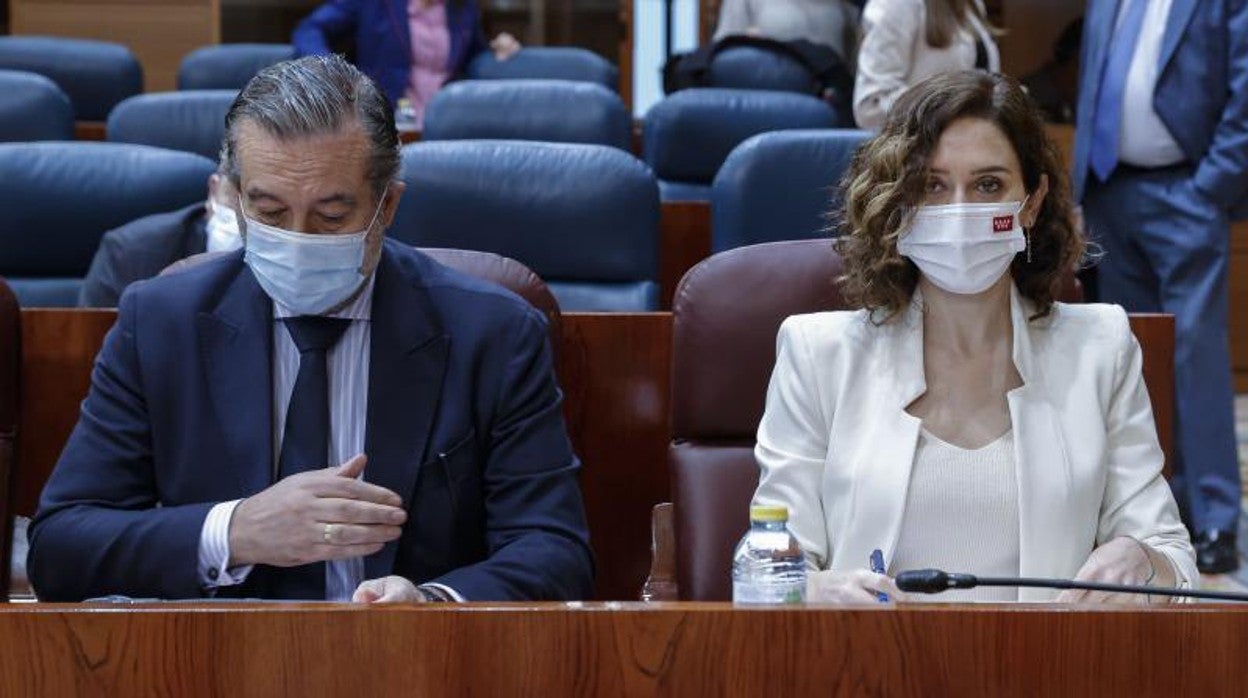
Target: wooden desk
<point>622,650</point>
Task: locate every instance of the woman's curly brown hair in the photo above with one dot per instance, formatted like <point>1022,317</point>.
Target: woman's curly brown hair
<point>887,177</point>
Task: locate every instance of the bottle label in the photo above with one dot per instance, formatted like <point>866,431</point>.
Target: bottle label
<point>770,592</point>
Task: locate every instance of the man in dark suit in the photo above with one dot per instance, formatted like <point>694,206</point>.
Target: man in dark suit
<point>329,416</point>
<point>1161,165</point>
<point>141,249</point>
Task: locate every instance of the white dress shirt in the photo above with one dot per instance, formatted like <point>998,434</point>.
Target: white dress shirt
<point>1143,140</point>
<point>348,363</point>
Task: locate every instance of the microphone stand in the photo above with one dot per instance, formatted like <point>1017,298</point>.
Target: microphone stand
<point>1116,588</point>
<point>936,581</point>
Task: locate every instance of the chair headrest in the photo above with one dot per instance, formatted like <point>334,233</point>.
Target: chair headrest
<point>228,66</point>
<point>33,108</point>
<point>529,110</point>
<point>95,74</point>
<point>726,314</point>
<point>60,198</point>
<point>689,134</point>
<point>505,272</point>
<point>547,62</point>
<point>192,121</point>
<point>754,68</point>
<point>781,186</point>
<point>567,211</point>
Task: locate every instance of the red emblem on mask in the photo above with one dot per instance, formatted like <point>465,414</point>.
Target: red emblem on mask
<point>1002,224</point>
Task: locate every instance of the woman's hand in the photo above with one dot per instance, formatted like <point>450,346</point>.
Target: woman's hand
<point>1123,560</point>
<point>505,46</point>
<point>392,589</point>
<point>858,586</point>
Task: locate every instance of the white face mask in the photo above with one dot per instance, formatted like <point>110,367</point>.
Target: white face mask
<point>964,248</point>
<point>222,228</point>
<point>309,274</point>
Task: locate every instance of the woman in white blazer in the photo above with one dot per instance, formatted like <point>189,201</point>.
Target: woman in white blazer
<point>907,41</point>
<point>963,419</point>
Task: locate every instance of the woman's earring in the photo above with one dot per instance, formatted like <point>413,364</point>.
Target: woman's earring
<point>1027,235</point>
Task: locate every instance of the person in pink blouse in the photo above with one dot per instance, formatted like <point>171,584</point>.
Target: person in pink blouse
<point>409,47</point>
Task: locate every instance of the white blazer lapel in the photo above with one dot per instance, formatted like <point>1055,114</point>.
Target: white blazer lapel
<point>886,438</point>
<point>1041,460</point>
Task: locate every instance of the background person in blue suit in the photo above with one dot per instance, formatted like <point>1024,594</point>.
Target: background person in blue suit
<point>223,392</point>
<point>1161,165</point>
<point>141,248</point>
<point>408,47</point>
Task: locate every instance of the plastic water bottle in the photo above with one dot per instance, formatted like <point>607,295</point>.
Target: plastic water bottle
<point>405,116</point>
<point>768,567</point>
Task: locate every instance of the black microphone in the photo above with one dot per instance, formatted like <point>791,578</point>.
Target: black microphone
<point>936,581</point>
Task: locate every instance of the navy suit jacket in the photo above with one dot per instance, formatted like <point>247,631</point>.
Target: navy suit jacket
<point>140,250</point>
<point>383,42</point>
<point>464,423</point>
<point>1201,95</point>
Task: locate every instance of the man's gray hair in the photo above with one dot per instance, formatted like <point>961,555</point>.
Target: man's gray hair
<point>311,96</point>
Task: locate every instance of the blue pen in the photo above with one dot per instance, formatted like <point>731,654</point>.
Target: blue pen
<point>877,566</point>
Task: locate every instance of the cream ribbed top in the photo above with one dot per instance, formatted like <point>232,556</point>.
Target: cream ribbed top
<point>961,515</point>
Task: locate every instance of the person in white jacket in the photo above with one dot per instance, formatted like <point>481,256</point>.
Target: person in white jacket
<point>907,41</point>
<point>963,419</point>
<point>832,23</point>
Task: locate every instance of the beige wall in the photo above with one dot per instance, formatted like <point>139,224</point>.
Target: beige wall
<point>160,32</point>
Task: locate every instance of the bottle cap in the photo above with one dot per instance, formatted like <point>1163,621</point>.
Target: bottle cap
<point>777,512</point>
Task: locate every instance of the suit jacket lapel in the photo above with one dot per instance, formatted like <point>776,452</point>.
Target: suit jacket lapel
<point>406,367</point>
<point>1180,16</point>
<point>236,343</point>
<point>1041,465</point>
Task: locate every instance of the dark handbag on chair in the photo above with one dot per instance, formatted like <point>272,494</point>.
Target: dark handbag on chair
<point>830,78</point>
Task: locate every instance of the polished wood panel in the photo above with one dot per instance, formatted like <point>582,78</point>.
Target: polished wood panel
<point>685,240</point>
<point>623,650</point>
<point>708,18</point>
<point>58,349</point>
<point>160,32</point>
<point>1155,334</point>
<point>626,53</point>
<point>616,372</point>
<point>1238,279</point>
<point>90,130</point>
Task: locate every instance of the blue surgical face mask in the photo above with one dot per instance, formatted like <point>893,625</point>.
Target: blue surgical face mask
<point>308,274</point>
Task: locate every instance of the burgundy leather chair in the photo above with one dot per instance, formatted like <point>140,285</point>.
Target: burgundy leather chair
<point>725,315</point>
<point>504,271</point>
<point>10,366</point>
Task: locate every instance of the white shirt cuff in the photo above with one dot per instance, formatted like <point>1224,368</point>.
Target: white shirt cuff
<point>447,590</point>
<point>214,549</point>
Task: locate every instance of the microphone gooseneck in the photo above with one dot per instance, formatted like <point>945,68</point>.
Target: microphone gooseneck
<point>936,581</point>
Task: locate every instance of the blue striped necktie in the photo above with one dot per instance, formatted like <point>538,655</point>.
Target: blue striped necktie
<point>1107,119</point>
<point>305,438</point>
